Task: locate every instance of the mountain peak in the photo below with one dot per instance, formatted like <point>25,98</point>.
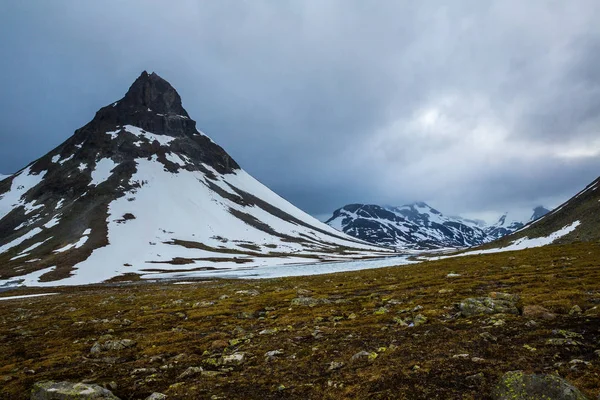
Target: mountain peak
<point>538,212</point>
<point>153,92</point>
<point>152,104</point>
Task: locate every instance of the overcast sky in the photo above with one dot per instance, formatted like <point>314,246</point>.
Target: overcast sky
<point>477,107</point>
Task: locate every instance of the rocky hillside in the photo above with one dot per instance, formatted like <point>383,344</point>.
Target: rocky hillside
<point>578,219</point>
<point>140,190</point>
<point>418,226</point>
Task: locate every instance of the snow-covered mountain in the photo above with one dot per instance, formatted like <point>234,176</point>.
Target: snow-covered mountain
<point>502,227</point>
<point>418,226</point>
<point>414,225</point>
<point>139,190</point>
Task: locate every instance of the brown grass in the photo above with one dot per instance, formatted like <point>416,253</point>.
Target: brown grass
<point>177,326</point>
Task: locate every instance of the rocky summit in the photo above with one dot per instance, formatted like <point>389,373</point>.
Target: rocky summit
<point>139,190</point>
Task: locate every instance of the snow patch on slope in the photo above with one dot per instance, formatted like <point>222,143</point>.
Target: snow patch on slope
<point>21,184</point>
<point>20,240</point>
<point>77,244</point>
<point>526,243</point>
<point>102,171</point>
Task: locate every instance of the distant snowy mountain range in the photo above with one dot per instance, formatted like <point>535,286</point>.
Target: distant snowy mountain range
<point>419,226</point>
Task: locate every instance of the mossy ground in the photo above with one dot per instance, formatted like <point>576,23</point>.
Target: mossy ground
<point>181,326</point>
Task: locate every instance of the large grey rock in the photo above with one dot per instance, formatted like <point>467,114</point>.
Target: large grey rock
<point>516,385</point>
<point>309,301</point>
<point>112,345</point>
<point>50,390</point>
<point>156,396</point>
<point>495,303</point>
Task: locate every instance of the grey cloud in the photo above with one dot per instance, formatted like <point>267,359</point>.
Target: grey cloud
<point>321,100</point>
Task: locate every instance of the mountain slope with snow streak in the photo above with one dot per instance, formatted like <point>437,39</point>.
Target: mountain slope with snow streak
<point>577,219</point>
<point>139,190</point>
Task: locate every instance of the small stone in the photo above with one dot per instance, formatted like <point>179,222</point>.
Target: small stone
<point>464,356</point>
<point>381,311</point>
<point>562,342</point>
<point>234,359</point>
<point>139,371</point>
<point>419,319</point>
<point>477,359</point>
<point>364,356</point>
<point>575,310</point>
<point>576,362</point>
<point>223,297</point>
<point>528,347</point>
<point>335,365</point>
<point>251,292</point>
<point>593,312</point>
<point>537,312</point>
<point>268,331</point>
<point>191,371</point>
<point>271,355</point>
<point>531,324</point>
<point>488,336</point>
<point>156,396</point>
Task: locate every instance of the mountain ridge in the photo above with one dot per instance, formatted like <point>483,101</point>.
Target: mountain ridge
<point>417,226</point>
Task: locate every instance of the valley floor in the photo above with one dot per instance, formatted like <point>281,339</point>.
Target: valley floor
<point>302,337</point>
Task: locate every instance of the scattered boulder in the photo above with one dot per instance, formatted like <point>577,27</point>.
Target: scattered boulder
<point>50,390</point>
<point>112,345</point>
<point>364,356</point>
<point>309,301</point>
<point>575,310</point>
<point>516,385</point>
<point>191,371</point>
<point>593,312</point>
<point>234,359</point>
<point>488,337</point>
<point>537,312</point>
<point>251,292</point>
<point>419,319</point>
<point>271,355</point>
<point>156,396</point>
<point>335,365</point>
<point>495,303</point>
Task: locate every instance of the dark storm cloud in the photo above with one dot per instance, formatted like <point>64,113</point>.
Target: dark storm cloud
<point>477,106</point>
